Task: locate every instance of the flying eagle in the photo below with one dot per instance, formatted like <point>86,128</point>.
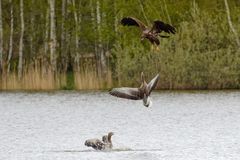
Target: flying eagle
<point>150,33</point>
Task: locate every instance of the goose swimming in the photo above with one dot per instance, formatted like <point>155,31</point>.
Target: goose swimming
<point>97,144</point>
<point>107,140</point>
<point>143,92</point>
<point>150,33</point>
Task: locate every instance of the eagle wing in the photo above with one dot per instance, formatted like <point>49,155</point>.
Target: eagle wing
<point>130,21</point>
<point>153,83</point>
<point>127,93</point>
<point>159,26</point>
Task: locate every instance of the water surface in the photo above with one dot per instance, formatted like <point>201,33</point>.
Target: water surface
<point>179,125</point>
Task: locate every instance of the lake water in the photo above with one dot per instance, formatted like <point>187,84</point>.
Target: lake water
<point>179,125</point>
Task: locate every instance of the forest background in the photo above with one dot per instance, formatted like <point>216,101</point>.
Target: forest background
<point>80,44</point>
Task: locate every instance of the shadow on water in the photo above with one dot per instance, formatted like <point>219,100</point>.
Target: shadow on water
<point>112,150</point>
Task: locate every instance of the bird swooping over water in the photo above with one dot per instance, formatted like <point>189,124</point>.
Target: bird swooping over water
<point>143,92</point>
<point>97,144</point>
<point>150,33</point>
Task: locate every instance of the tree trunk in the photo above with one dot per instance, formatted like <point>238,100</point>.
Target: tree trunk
<point>230,23</point>
<point>11,38</point>
<point>45,61</point>
<point>46,33</point>
<point>52,36</point>
<point>93,19</point>
<point>1,40</point>
<point>76,36</point>
<point>116,21</point>
<point>32,30</point>
<point>63,37</point>
<point>20,61</point>
<point>101,55</point>
<point>69,63</point>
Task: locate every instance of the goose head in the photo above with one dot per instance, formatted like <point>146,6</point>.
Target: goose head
<point>110,134</point>
<point>146,101</point>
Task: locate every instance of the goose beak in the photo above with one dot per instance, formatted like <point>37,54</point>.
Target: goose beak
<point>147,105</point>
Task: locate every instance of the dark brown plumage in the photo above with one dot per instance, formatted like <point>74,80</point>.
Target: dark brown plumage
<point>143,92</point>
<point>150,33</point>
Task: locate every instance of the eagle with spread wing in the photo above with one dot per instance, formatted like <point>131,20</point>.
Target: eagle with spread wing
<point>150,33</point>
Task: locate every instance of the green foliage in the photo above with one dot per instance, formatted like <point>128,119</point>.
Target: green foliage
<point>202,54</point>
<point>70,84</point>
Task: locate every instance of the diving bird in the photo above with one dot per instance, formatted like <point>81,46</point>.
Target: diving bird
<point>97,144</point>
<point>150,33</point>
<point>141,93</point>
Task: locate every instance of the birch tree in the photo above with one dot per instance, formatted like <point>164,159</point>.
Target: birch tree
<point>32,28</point>
<point>116,21</point>
<point>93,19</point>
<point>11,38</point>
<point>101,57</point>
<point>1,39</point>
<point>63,31</point>
<point>46,32</point>
<point>230,23</point>
<point>76,35</point>
<point>52,35</point>
<point>20,61</point>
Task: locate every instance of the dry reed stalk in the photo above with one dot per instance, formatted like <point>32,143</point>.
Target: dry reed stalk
<point>89,79</point>
<point>35,79</point>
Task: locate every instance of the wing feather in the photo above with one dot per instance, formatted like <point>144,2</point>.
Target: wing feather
<point>159,26</point>
<point>127,93</point>
<point>130,21</point>
<point>153,83</point>
<point>94,143</point>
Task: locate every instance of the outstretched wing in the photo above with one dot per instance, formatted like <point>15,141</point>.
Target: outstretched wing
<point>130,21</point>
<point>153,83</point>
<point>94,143</point>
<point>159,26</point>
<point>127,93</point>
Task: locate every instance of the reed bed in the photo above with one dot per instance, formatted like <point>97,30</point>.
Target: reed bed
<point>35,79</point>
<point>90,80</point>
